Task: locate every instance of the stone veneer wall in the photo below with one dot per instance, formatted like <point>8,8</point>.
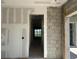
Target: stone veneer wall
<point>54,33</point>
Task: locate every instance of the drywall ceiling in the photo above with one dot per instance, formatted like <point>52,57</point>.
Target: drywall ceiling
<point>52,3</point>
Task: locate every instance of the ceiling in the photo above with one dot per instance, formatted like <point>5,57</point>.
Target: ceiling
<point>24,3</point>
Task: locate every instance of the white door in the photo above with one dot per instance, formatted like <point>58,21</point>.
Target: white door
<point>15,43</point>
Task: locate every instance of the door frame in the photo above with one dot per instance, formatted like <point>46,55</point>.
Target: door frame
<point>31,15</point>
<point>45,32</point>
<point>67,33</point>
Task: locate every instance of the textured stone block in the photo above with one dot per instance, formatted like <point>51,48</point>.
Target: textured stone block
<point>54,33</point>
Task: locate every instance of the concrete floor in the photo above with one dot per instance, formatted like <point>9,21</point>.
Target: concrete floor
<point>37,53</point>
<point>36,50</point>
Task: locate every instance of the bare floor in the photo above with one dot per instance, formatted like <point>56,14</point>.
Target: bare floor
<point>36,50</point>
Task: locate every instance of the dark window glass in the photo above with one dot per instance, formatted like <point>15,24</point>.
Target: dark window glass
<point>71,34</point>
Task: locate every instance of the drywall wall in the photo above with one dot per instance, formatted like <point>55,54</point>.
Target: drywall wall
<point>16,24</point>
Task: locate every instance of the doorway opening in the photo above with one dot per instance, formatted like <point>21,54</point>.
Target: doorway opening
<point>36,48</point>
<point>70,36</point>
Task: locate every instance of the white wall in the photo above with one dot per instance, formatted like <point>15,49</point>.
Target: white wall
<point>16,22</point>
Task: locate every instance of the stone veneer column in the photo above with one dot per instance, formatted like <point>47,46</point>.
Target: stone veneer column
<point>54,34</point>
